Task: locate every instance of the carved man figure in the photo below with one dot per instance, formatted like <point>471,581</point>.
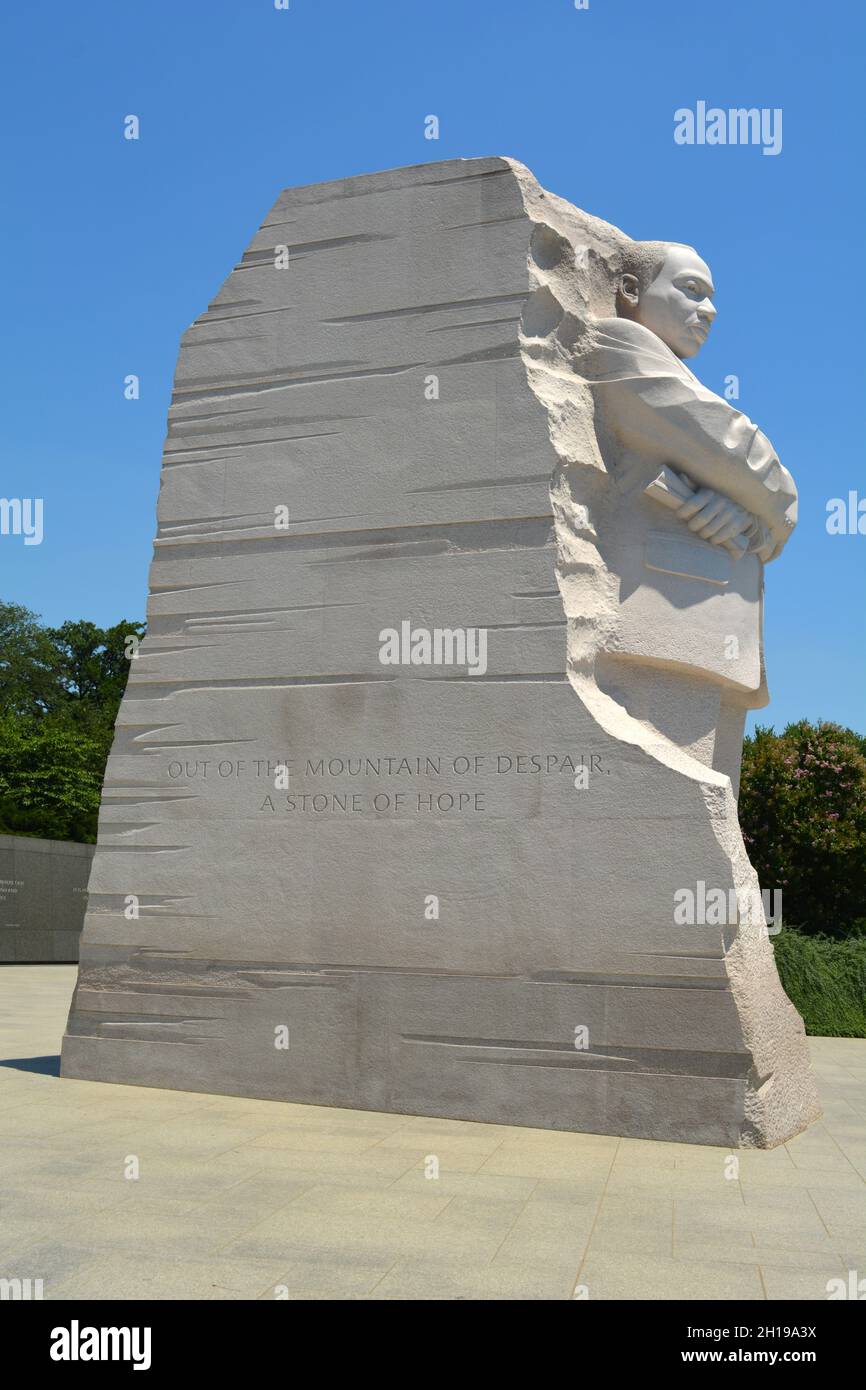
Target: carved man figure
<point>701,503</point>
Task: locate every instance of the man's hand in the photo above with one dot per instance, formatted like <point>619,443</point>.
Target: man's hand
<point>716,518</point>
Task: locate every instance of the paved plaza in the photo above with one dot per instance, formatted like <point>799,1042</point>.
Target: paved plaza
<point>241,1199</point>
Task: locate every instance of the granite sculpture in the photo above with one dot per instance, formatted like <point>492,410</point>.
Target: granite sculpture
<point>454,621</point>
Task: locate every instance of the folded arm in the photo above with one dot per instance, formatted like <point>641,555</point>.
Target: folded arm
<point>655,406</point>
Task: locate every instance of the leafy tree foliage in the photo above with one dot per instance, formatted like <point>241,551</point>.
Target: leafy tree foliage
<point>60,689</point>
<point>803,816</point>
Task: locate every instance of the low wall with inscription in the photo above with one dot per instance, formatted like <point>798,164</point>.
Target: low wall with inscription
<point>43,896</point>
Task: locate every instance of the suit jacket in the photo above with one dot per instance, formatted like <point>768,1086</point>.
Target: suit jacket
<point>683,601</point>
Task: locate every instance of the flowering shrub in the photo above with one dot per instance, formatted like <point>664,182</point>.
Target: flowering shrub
<point>803,817</point>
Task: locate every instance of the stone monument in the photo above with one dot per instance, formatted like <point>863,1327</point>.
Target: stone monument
<point>422,793</point>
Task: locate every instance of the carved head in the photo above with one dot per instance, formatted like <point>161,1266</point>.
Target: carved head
<point>669,289</point>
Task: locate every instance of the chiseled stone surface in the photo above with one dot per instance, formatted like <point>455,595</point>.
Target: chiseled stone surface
<point>399,415</point>
<point>238,1198</point>
<point>43,894</point>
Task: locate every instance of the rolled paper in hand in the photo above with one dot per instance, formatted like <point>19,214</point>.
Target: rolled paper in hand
<point>672,489</point>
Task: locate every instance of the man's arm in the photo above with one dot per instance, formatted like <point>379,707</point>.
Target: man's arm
<point>713,517</point>
<point>655,406</point>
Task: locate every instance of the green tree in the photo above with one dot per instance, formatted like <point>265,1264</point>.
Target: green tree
<point>60,689</point>
<point>803,816</point>
<point>91,665</point>
<point>28,663</point>
<point>50,779</point>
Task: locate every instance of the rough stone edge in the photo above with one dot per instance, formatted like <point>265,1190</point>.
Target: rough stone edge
<point>781,1096</point>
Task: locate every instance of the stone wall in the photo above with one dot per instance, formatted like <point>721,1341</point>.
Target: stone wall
<point>43,896</point>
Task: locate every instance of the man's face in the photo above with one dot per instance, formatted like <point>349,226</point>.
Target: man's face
<point>678,305</point>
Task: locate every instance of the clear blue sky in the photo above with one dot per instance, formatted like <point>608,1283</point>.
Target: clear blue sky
<point>111,247</point>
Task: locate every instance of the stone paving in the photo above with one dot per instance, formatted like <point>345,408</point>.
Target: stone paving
<point>240,1199</point>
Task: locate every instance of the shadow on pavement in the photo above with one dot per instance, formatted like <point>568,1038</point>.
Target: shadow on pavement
<point>47,1066</point>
